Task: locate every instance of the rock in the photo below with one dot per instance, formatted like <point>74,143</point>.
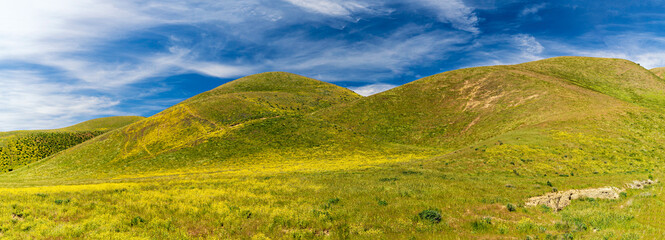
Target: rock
<point>559,200</point>
<point>640,184</point>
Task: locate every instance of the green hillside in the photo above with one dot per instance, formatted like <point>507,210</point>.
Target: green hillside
<point>450,156</point>
<point>19,148</point>
<point>457,108</point>
<point>252,115</point>
<point>659,72</point>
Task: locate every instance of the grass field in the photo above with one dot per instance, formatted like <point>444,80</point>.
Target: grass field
<point>451,156</point>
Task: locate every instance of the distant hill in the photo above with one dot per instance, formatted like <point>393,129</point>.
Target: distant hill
<point>550,109</point>
<point>659,72</point>
<point>102,124</point>
<point>18,148</point>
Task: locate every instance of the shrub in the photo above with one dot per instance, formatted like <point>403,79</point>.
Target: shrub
<point>383,203</point>
<point>431,215</point>
<point>136,221</point>
<point>549,183</point>
<point>510,207</point>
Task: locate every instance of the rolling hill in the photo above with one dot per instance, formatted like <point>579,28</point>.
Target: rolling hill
<point>659,71</point>
<point>19,148</point>
<point>453,155</point>
<point>284,116</point>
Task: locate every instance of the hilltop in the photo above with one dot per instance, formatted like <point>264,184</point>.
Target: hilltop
<point>453,155</point>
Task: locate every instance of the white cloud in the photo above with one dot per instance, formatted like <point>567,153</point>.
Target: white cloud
<point>529,46</point>
<point>455,12</point>
<point>372,89</point>
<point>53,33</point>
<point>391,55</point>
<point>330,7</point>
<point>532,9</point>
<point>32,102</point>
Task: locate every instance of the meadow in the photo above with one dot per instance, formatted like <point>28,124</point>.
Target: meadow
<point>338,200</point>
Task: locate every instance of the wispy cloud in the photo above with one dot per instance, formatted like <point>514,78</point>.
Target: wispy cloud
<point>530,47</point>
<point>455,12</point>
<point>392,54</point>
<point>331,7</point>
<point>32,102</point>
<point>532,9</point>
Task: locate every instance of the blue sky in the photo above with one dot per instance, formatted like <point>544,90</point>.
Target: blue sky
<point>63,62</point>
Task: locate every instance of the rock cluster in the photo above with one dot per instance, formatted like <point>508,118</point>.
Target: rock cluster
<point>559,200</point>
<point>640,184</point>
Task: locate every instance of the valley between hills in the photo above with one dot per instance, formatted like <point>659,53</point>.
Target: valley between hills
<point>276,155</point>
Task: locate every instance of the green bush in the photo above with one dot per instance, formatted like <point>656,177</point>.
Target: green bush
<point>431,215</point>
<point>60,201</point>
<point>136,221</point>
<point>510,207</point>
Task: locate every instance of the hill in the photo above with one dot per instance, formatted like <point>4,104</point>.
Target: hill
<point>530,116</point>
<point>450,156</point>
<point>272,115</point>
<point>263,113</point>
<point>659,72</point>
<point>19,148</point>
<point>460,107</point>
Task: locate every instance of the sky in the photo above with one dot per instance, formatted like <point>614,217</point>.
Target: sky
<point>64,62</point>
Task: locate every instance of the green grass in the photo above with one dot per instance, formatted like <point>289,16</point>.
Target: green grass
<point>281,156</point>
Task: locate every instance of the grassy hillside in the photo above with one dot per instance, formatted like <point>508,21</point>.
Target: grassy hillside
<point>659,72</point>
<point>258,114</point>
<point>457,108</point>
<point>450,156</point>
<point>19,148</point>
